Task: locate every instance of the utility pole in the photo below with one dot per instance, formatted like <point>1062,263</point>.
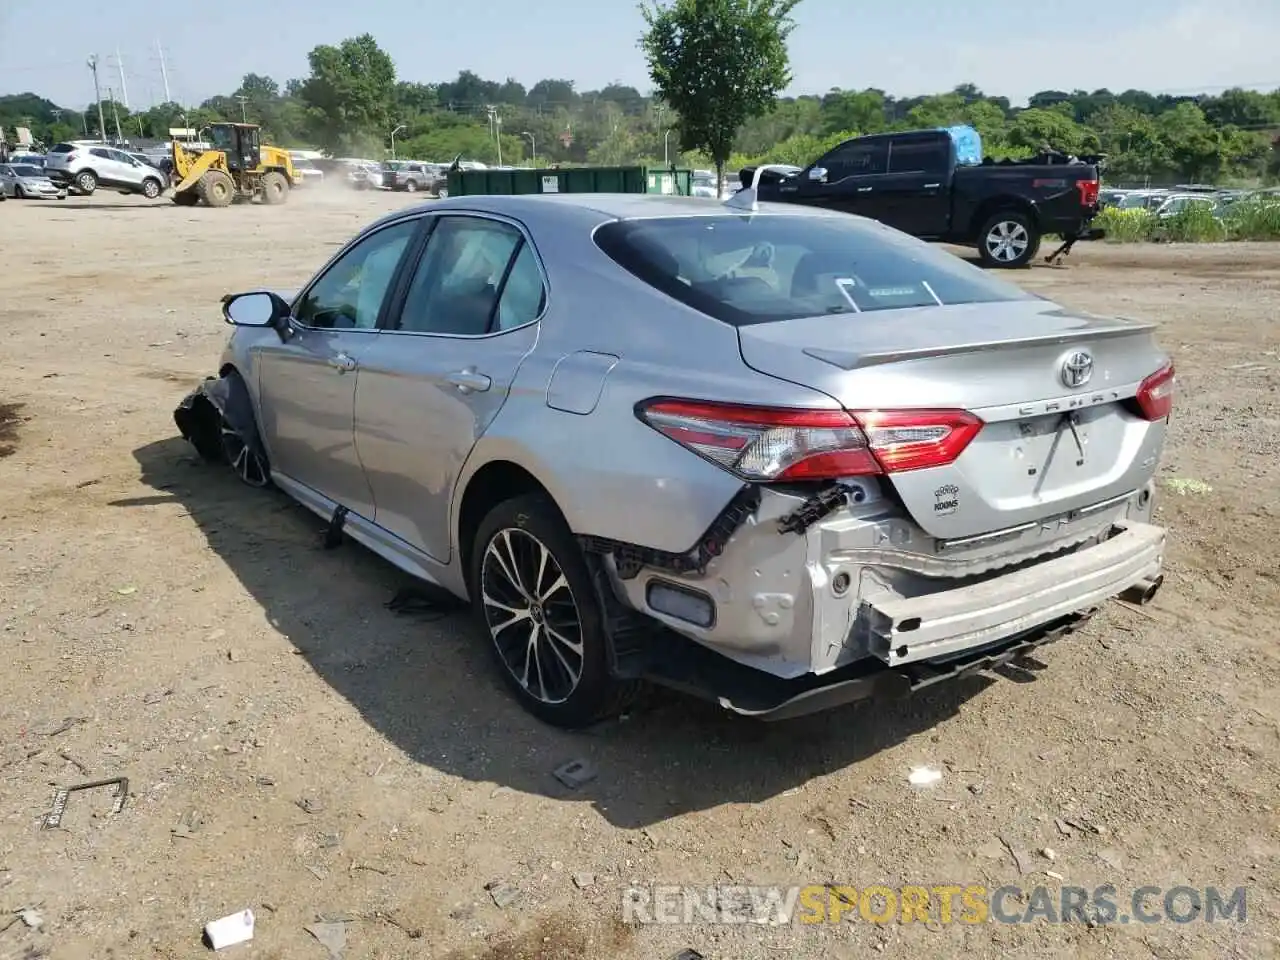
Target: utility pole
<point>97,97</point>
<point>244,114</point>
<point>115,113</point>
<point>164,72</point>
<point>124,87</point>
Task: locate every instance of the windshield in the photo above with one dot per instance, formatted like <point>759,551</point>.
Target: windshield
<point>221,137</point>
<point>765,268</point>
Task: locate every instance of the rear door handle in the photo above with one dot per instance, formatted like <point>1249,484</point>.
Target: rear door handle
<point>932,186</point>
<point>864,189</point>
<point>468,381</point>
<point>342,363</point>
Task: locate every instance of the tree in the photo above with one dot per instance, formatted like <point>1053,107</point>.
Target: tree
<point>349,92</point>
<point>718,63</point>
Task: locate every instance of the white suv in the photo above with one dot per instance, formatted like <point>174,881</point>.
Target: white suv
<point>86,166</point>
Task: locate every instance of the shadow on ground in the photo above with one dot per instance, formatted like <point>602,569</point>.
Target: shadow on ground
<point>426,682</point>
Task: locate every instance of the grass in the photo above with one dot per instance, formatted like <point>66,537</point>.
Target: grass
<point>1243,220</point>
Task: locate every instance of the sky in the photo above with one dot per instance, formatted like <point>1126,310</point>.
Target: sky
<point>1009,48</point>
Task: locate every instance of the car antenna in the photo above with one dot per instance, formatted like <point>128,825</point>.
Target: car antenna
<point>746,198</point>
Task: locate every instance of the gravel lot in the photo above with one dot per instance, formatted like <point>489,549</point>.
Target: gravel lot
<point>295,747</point>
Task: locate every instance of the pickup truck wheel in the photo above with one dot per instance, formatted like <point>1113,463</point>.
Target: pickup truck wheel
<point>1008,239</point>
<point>411,186</point>
<point>532,592</point>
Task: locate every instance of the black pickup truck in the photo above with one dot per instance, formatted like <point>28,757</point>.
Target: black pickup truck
<point>912,181</point>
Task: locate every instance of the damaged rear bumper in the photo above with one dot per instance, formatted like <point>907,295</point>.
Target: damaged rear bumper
<point>906,629</point>
<point>773,618</point>
<point>702,673</point>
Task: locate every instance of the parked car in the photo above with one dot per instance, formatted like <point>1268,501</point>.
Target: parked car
<point>413,176</point>
<point>364,175</point>
<point>914,181</point>
<point>23,181</point>
<point>307,172</point>
<point>85,168</point>
<point>1179,203</point>
<point>809,459</point>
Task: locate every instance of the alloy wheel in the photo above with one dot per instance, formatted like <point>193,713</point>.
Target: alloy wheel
<point>532,615</point>
<point>1006,241</point>
<point>247,464</point>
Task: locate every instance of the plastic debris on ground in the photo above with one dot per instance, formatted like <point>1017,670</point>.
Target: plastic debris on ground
<point>229,930</point>
<point>924,776</point>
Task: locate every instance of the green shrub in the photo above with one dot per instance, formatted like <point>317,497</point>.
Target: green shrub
<point>1194,223</point>
<point>1254,219</point>
<point>1243,220</point>
<point>1126,226</point>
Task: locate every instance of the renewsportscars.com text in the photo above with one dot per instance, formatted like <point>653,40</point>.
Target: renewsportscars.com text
<point>945,904</point>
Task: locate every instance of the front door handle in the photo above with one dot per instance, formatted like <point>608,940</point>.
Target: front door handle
<point>864,189</point>
<point>342,363</point>
<point>468,381</point>
<point>932,186</point>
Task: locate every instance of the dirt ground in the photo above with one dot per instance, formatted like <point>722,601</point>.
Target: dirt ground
<point>294,747</point>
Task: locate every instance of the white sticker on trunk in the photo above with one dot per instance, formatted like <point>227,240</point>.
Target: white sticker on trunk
<point>550,184</point>
<point>946,500</point>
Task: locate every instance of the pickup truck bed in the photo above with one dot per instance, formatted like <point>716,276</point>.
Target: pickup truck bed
<point>912,182</point>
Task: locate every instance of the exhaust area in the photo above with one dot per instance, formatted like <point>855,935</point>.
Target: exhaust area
<point>1144,591</point>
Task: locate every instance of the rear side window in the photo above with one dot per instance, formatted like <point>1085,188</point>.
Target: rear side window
<point>63,148</point>
<point>765,268</point>
<point>931,155</point>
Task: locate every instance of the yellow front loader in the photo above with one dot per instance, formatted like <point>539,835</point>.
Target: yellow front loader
<point>237,167</point>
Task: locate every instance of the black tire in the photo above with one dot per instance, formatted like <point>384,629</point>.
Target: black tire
<point>152,188</point>
<point>86,182</point>
<point>411,186</point>
<point>275,188</point>
<point>217,189</point>
<point>242,446</point>
<point>1008,239</point>
<point>516,531</point>
<point>18,193</point>
<point>187,198</point>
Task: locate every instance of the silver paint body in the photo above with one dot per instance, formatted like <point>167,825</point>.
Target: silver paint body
<point>398,436</point>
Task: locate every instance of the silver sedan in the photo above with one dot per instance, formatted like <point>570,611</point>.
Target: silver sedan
<point>23,181</point>
<point>779,457</point>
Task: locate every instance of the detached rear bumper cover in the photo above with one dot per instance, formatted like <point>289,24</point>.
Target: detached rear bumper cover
<point>905,630</point>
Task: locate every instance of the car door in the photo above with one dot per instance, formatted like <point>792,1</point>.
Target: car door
<point>438,375</point>
<point>129,170</point>
<point>847,177</point>
<point>307,381</point>
<point>913,195</point>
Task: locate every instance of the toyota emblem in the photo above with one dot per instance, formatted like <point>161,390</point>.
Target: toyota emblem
<point>1077,369</point>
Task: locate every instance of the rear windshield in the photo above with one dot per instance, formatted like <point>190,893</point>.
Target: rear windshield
<point>765,268</point>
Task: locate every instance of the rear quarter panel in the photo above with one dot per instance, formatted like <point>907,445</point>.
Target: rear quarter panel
<point>612,475</point>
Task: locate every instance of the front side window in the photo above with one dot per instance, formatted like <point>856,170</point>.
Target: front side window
<point>350,293</point>
<point>766,268</point>
<point>856,158</point>
<point>460,280</point>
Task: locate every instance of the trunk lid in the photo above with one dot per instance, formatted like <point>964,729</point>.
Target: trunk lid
<point>1049,445</point>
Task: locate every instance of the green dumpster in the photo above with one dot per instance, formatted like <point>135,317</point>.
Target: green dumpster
<point>470,183</point>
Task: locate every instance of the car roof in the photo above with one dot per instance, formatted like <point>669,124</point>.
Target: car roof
<point>609,206</point>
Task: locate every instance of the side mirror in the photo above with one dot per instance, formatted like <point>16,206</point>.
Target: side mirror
<point>256,309</point>
<point>818,174</point>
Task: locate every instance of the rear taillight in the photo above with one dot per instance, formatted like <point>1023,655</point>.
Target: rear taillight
<point>1088,192</point>
<point>1155,394</point>
<point>770,444</point>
